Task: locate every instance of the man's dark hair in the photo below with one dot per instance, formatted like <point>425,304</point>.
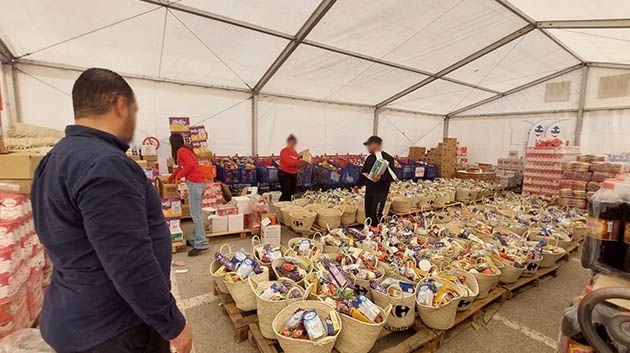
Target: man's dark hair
<point>96,91</point>
<point>291,138</point>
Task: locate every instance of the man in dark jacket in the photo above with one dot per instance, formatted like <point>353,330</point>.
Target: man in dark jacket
<point>101,221</point>
<point>377,188</point>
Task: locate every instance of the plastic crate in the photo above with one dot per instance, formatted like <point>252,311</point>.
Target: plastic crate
<point>350,174</point>
<point>305,175</point>
<point>247,176</point>
<point>228,176</point>
<point>266,174</point>
<point>326,176</point>
<point>408,169</point>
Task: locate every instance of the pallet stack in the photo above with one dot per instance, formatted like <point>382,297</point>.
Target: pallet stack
<point>444,157</point>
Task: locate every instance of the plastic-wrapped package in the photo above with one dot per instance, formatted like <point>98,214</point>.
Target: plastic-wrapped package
<point>25,341</point>
<point>607,244</point>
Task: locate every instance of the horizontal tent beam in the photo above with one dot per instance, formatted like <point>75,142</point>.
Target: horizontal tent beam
<point>609,65</point>
<point>517,89</point>
<point>576,24</point>
<point>405,111</point>
<point>474,56</point>
<point>213,16</point>
<point>530,112</point>
<point>306,28</point>
<point>529,20</point>
<point>391,64</point>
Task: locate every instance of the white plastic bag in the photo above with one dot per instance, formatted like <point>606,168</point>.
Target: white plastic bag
<point>25,341</point>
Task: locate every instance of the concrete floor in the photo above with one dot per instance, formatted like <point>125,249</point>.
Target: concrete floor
<point>529,322</point>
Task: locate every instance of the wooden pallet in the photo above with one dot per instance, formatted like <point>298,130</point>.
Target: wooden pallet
<point>240,319</point>
<point>178,246</point>
<point>526,282</point>
<point>264,345</point>
<point>424,339</point>
<point>243,233</point>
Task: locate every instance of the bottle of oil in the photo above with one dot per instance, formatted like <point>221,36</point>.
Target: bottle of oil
<point>605,247</point>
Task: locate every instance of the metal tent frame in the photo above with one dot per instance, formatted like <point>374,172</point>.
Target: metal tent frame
<point>300,39</point>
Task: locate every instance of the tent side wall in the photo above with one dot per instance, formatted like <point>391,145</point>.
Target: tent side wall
<point>400,130</point>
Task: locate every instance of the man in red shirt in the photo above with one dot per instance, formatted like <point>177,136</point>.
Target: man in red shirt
<point>289,163</point>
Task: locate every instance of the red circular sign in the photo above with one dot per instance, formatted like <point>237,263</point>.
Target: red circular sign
<point>151,141</point>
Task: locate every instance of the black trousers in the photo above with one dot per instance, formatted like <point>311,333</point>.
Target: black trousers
<point>138,339</point>
<point>374,204</point>
<point>288,184</point>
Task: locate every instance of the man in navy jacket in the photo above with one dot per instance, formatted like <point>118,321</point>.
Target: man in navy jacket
<point>101,221</point>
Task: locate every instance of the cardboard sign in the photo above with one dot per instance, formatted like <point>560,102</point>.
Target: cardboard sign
<point>179,124</point>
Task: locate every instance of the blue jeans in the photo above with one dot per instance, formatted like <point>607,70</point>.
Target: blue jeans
<point>195,196</point>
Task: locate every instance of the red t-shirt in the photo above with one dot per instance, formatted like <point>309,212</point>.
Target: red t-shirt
<point>289,160</point>
<point>187,166</point>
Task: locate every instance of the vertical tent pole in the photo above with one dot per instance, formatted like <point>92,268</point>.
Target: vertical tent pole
<point>446,122</point>
<point>580,113</point>
<point>17,105</point>
<point>254,124</point>
<point>375,122</point>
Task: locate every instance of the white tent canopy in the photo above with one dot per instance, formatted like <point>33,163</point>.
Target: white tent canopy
<point>334,72</point>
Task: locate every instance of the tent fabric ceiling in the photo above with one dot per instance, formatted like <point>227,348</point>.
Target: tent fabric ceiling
<point>419,38</point>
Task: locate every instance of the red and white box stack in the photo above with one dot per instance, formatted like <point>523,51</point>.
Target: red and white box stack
<point>543,169</point>
<point>22,261</point>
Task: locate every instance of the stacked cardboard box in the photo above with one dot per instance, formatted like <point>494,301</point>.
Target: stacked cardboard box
<point>171,206</point>
<point>18,169</point>
<point>543,169</point>
<point>510,170</point>
<point>581,178</point>
<point>417,153</point>
<point>462,155</point>
<point>444,157</point>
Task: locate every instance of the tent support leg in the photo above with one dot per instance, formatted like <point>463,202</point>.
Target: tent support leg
<point>580,113</point>
<point>446,122</point>
<point>254,125</point>
<point>375,123</point>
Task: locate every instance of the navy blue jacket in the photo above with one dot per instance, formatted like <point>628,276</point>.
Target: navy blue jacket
<point>101,221</point>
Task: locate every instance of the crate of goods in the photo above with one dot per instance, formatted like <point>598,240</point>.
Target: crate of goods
<point>228,171</point>
<point>408,168</point>
<point>266,170</point>
<point>326,173</point>
<point>543,168</point>
<point>350,174</point>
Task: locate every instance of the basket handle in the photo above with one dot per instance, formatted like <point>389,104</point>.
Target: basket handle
<point>253,284</point>
<point>255,241</point>
<point>320,237</point>
<point>387,311</point>
<point>307,291</point>
<point>367,223</point>
<point>229,249</point>
<point>289,252</point>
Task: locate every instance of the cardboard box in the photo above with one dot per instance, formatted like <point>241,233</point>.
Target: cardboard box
<point>165,189</point>
<point>235,223</point>
<point>150,159</point>
<point>20,186</point>
<point>272,196</point>
<point>172,208</point>
<point>148,150</point>
<point>416,152</point>
<point>219,224</point>
<point>243,204</point>
<point>307,156</point>
<point>19,165</point>
<point>271,234</point>
<point>226,210</point>
<point>142,164</point>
